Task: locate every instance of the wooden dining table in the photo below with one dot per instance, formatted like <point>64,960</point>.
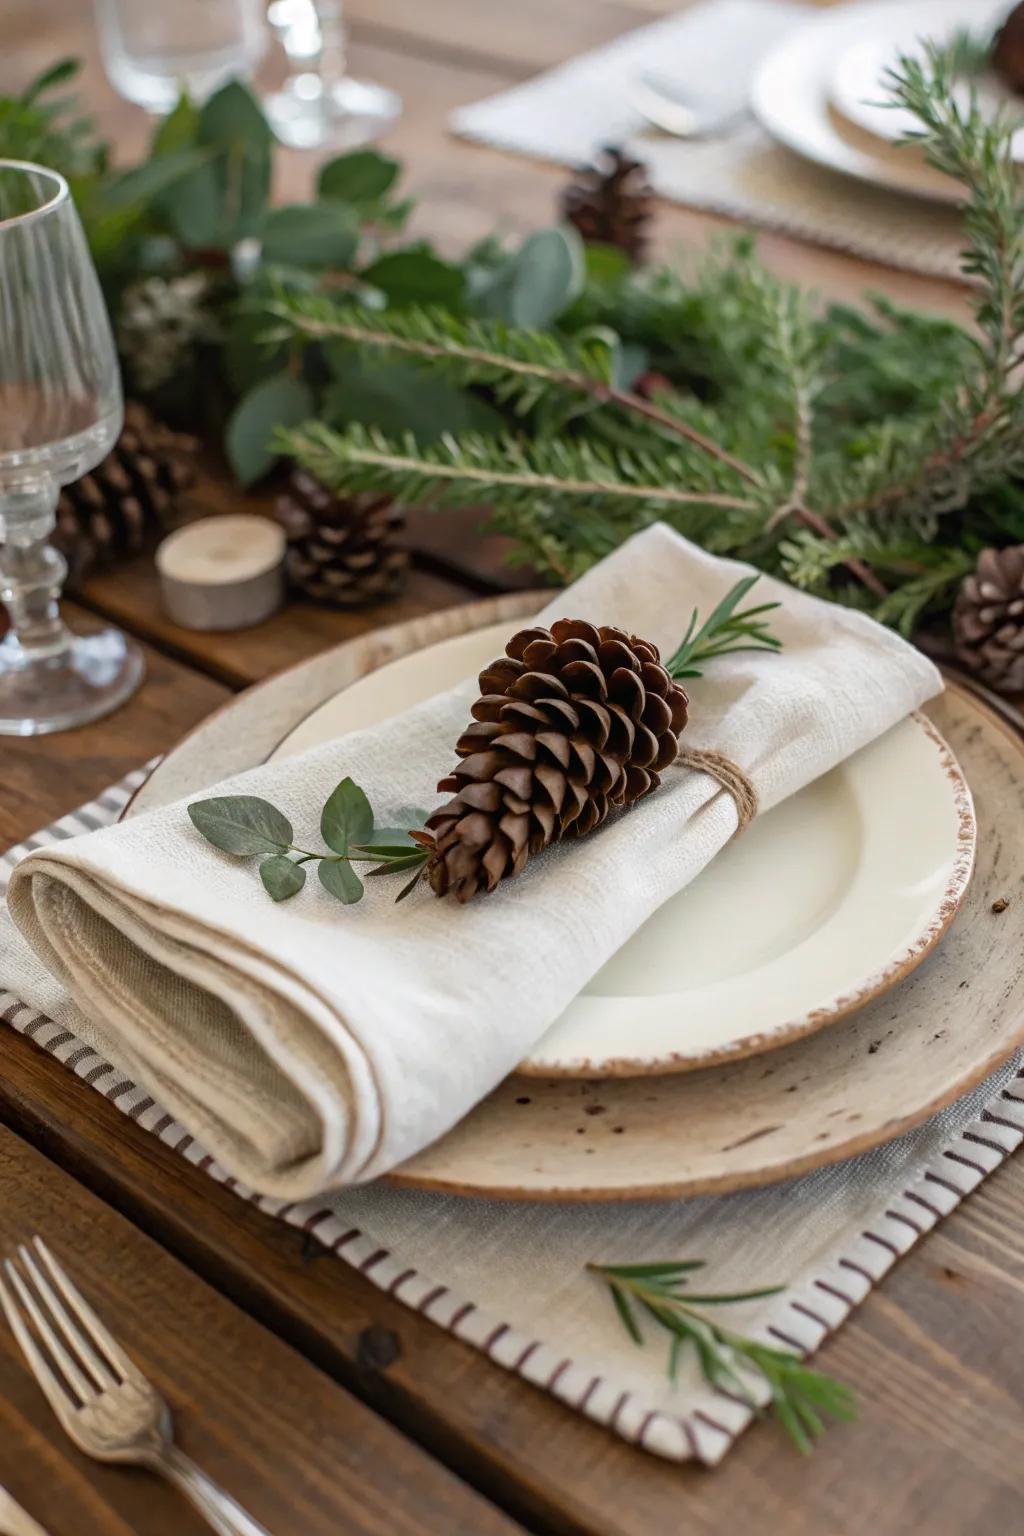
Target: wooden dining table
<point>323,1403</point>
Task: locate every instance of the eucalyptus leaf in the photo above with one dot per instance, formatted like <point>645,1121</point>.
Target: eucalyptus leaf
<point>362,177</point>
<point>539,282</point>
<point>416,277</point>
<point>280,401</point>
<point>242,824</point>
<point>232,121</point>
<point>315,234</point>
<point>400,397</point>
<point>347,817</point>
<point>233,116</point>
<point>194,208</point>
<point>154,178</point>
<point>338,877</point>
<point>282,877</point>
<point>179,129</point>
<point>247,357</point>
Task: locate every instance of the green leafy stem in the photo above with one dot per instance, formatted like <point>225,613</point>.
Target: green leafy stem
<point>250,827</point>
<point>799,1396</point>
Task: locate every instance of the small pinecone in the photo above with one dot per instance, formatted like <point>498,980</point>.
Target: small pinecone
<point>1008,50</point>
<point>571,722</point>
<point>341,549</point>
<point>120,507</point>
<point>988,620</point>
<point>610,203</point>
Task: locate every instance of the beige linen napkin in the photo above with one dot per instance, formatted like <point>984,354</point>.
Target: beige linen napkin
<point>308,1045</point>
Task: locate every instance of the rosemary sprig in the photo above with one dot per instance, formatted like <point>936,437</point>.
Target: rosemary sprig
<point>799,1396</point>
<point>723,633</point>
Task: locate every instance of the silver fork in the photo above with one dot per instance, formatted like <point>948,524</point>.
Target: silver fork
<point>101,1398</point>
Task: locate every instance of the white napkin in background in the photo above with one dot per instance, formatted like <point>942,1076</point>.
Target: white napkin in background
<point>309,1045</point>
<point>712,49</point>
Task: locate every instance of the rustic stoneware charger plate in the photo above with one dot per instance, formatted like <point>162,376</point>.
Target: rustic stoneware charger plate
<point>791,98</point>
<point>745,1121</point>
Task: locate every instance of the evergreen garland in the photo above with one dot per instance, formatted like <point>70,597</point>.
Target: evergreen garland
<point>864,454</point>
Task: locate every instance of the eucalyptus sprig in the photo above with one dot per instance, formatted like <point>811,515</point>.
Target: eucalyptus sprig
<point>251,827</point>
<point>799,1396</point>
<point>724,632</point>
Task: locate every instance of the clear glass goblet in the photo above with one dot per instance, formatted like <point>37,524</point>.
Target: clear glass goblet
<point>154,49</point>
<point>60,414</point>
<point>320,103</point>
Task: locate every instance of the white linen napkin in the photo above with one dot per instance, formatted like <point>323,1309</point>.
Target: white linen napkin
<point>310,1046</point>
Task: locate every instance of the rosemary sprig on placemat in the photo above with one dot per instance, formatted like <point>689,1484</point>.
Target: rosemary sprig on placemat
<point>799,1396</point>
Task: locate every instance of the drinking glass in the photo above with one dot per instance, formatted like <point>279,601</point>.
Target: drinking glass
<point>60,414</point>
<point>153,49</point>
<point>320,103</point>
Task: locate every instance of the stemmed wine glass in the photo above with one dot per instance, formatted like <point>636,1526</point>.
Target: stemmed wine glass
<point>60,414</point>
<point>320,103</point>
<point>154,49</point>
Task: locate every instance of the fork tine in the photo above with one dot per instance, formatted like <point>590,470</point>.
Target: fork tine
<point>76,1339</point>
<point>65,1362</point>
<point>55,1393</point>
<point>98,1331</point>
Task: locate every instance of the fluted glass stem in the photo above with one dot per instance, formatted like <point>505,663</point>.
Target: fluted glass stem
<point>31,575</point>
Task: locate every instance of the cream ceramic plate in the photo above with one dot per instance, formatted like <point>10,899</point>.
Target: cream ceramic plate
<point>743,1122</point>
<point>821,904</point>
<point>790,97</point>
<point>856,87</point>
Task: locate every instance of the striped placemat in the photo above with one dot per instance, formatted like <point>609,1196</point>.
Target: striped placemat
<point>511,1280</point>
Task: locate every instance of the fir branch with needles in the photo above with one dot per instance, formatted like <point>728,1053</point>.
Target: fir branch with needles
<point>865,454</point>
<point>801,1398</point>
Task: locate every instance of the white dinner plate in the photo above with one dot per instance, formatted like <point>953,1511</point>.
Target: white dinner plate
<point>856,87</point>
<point>790,96</point>
<point>822,904</point>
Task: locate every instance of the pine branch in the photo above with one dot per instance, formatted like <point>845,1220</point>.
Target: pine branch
<point>363,459</point>
<point>520,366</point>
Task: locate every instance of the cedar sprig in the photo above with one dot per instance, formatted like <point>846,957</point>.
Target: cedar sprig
<point>251,827</point>
<point>800,1397</point>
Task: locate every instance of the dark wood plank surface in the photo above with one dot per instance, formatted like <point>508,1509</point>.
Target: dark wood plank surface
<point>303,1455</point>
<point>940,1441</point>
<point>939,1445</point>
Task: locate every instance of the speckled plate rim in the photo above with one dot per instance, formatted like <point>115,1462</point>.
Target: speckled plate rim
<point>341,666</point>
<point>873,986</point>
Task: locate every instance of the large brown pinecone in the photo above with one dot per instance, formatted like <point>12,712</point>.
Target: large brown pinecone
<point>341,549</point>
<point>123,505</point>
<point>571,722</point>
<point>611,203</point>
<point>1008,50</point>
<point>988,620</point>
